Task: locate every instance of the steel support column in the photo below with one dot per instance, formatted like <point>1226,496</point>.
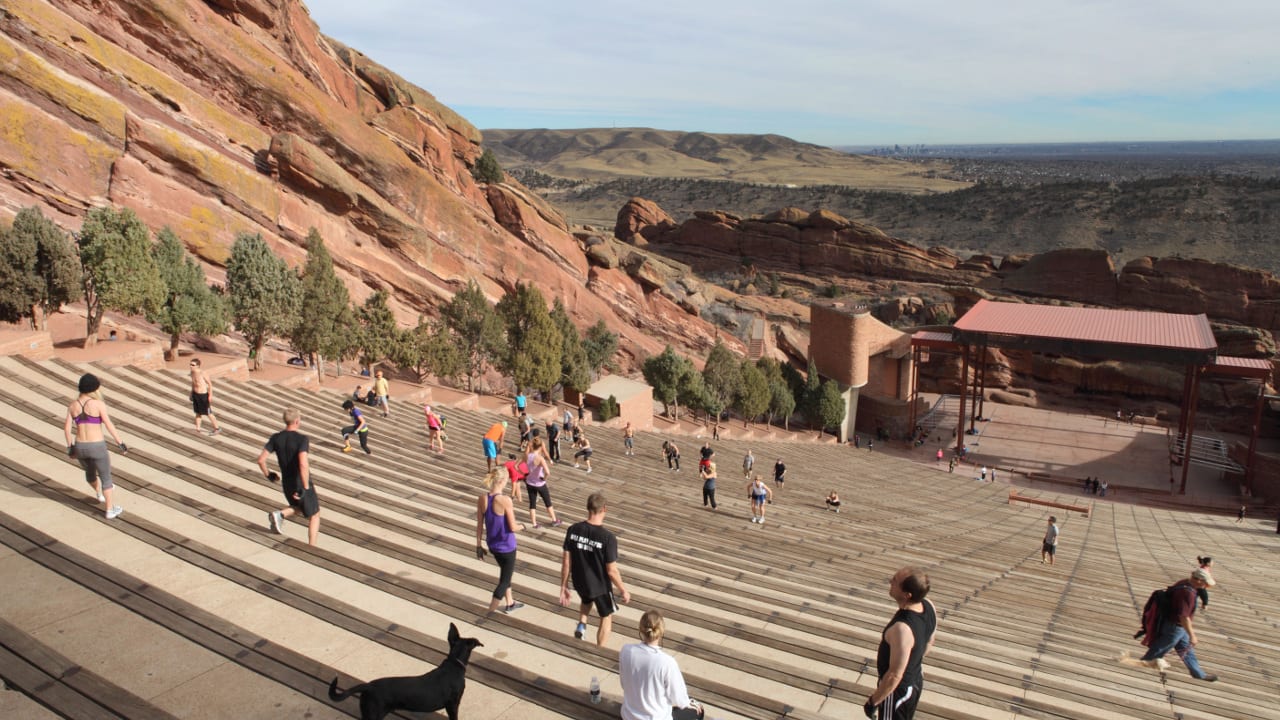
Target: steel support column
<point>1191,426</point>
<point>964,393</point>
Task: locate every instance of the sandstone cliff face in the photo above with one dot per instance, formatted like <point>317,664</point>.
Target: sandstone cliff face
<point>225,116</point>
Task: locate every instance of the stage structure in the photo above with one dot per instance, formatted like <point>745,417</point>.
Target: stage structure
<point>1106,334</point>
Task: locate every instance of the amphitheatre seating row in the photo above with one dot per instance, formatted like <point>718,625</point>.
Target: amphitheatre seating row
<point>772,620</point>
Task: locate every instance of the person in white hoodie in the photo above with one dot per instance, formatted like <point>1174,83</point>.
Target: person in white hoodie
<point>652,686</point>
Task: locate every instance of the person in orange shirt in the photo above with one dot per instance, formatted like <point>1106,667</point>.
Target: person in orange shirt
<point>493,443</point>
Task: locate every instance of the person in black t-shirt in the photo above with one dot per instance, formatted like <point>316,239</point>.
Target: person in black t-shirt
<point>291,449</point>
<point>779,473</point>
<point>553,440</point>
<point>591,559</point>
<point>903,645</point>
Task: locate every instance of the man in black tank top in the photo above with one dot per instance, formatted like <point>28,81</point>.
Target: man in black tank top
<point>903,645</point>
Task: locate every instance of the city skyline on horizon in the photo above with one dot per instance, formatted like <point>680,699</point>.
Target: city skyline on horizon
<point>869,74</point>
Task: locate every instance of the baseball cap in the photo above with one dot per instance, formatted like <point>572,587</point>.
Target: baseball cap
<point>1203,576</point>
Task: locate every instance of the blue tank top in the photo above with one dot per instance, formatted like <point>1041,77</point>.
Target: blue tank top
<point>496,533</point>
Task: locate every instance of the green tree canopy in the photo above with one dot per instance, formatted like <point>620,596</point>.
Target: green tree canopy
<point>672,377</point>
<point>263,291</point>
<point>476,329</point>
<point>39,270</point>
<point>782,403</point>
<point>600,345</point>
<point>432,351</point>
<point>190,305</point>
<point>326,301</point>
<point>119,273</point>
<point>831,405</point>
<point>811,398</point>
<point>487,169</point>
<point>575,368</point>
<point>532,357</point>
<point>379,332</point>
<point>753,395</point>
<point>782,400</point>
<point>722,375</point>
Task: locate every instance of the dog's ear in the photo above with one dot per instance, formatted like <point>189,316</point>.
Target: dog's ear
<point>453,633</point>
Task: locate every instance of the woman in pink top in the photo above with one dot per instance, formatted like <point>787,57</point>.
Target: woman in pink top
<point>536,481</point>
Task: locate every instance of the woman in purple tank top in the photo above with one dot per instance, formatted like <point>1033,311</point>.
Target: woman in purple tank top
<point>496,526</point>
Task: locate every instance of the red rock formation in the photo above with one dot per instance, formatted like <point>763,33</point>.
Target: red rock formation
<point>819,243</point>
<point>640,220</point>
<point>230,116</point>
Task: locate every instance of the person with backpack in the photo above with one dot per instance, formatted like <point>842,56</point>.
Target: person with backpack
<point>1168,624</point>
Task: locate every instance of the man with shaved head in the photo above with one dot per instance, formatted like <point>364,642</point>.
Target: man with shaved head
<point>903,644</point>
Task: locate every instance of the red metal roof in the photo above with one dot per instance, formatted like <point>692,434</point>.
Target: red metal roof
<point>1121,327</point>
<point>1241,367</point>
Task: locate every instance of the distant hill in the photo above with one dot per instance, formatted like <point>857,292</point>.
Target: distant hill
<point>605,154</point>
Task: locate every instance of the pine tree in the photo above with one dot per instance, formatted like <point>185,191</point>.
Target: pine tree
<point>326,300</point>
<point>263,291</point>
<point>476,329</point>
<point>831,405</point>
<point>434,352</point>
<point>575,370</point>
<point>39,269</point>
<point>811,400</point>
<point>534,347</point>
<point>600,344</point>
<point>378,330</point>
<point>190,305</point>
<point>753,395</point>
<point>19,286</point>
<point>119,274</point>
<point>487,169</point>
<point>722,376</point>
<point>663,372</point>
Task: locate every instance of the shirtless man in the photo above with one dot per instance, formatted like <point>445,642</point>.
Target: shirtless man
<point>202,396</point>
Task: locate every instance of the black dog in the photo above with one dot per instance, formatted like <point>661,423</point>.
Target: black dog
<point>440,689</point>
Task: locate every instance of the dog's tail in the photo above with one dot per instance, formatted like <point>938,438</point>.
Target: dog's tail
<point>335,694</point>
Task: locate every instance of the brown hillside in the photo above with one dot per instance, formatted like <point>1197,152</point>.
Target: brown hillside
<point>221,117</point>
<point>601,154</point>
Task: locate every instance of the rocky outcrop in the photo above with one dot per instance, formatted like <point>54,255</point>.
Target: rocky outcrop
<point>818,243</point>
<point>640,220</point>
<point>1072,274</point>
<point>230,116</point>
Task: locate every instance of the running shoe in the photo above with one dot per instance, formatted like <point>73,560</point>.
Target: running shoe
<point>275,520</point>
<point>581,631</point>
<point>557,523</point>
<point>346,448</point>
<point>214,431</point>
<point>101,497</point>
<point>512,607</point>
<point>114,512</point>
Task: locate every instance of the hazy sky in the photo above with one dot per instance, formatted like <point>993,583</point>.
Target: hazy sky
<point>840,72</point>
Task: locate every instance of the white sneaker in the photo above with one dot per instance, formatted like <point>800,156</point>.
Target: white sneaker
<point>102,498</point>
<point>275,520</point>
<point>114,512</point>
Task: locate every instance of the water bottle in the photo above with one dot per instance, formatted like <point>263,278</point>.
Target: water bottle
<point>595,690</point>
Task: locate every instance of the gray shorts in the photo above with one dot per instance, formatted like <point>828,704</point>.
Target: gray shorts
<point>96,461</point>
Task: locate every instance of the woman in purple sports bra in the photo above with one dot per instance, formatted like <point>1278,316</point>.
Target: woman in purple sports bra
<point>86,417</point>
<point>496,527</point>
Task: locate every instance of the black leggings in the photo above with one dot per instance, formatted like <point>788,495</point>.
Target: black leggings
<point>364,436</point>
<point>506,569</point>
<point>673,461</point>
<point>708,495</point>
